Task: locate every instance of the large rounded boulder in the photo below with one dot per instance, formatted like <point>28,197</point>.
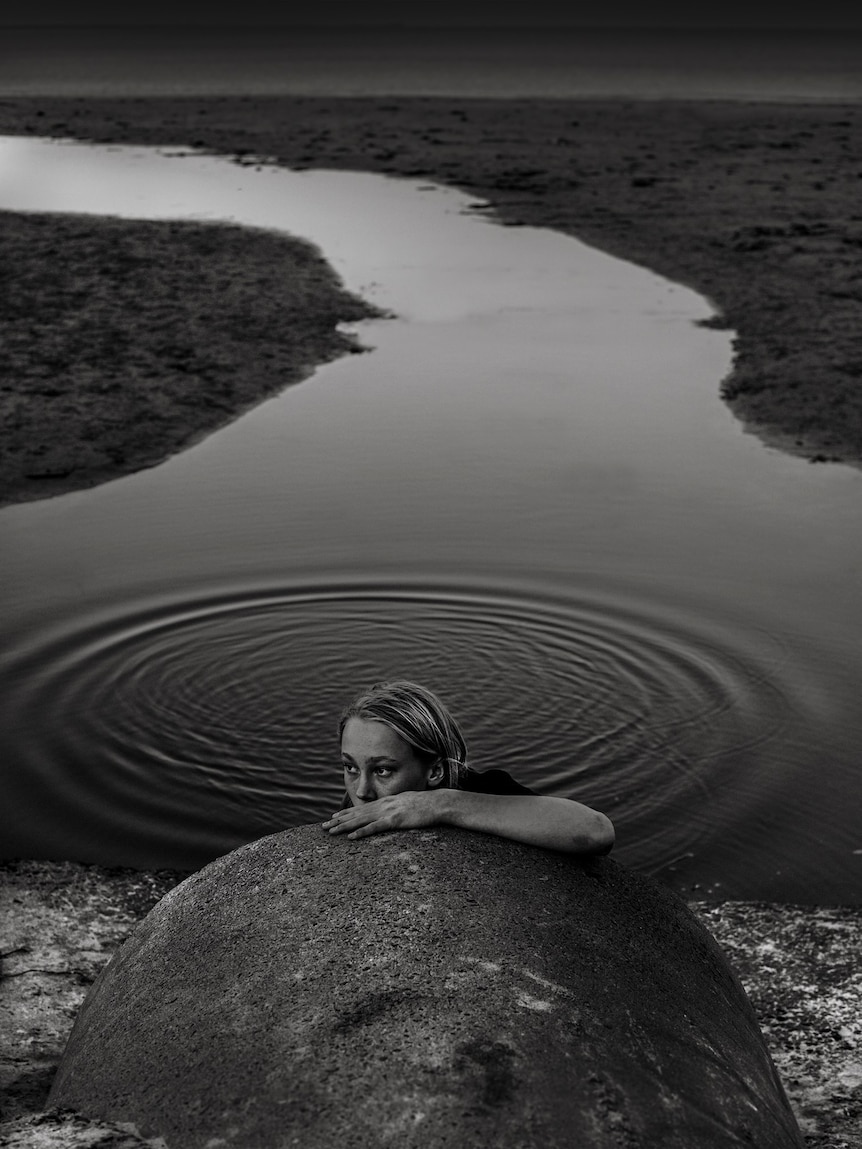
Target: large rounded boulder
<point>426,989</point>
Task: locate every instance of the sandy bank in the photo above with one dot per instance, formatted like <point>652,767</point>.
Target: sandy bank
<point>62,921</point>
<point>754,206</point>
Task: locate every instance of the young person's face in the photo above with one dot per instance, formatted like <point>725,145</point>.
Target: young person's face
<point>378,762</point>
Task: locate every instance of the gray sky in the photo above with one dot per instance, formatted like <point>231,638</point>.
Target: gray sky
<point>442,13</point>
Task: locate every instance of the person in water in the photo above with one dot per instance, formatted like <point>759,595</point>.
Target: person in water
<point>405,766</point>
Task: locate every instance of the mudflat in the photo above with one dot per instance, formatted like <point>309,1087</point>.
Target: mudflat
<point>756,206</point>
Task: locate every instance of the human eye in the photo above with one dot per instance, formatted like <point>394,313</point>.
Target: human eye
<point>350,767</point>
<point>384,771</point>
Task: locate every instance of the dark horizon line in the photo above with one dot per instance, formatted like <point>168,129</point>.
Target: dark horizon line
<point>419,27</point>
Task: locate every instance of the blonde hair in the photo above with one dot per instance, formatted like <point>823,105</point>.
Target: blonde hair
<point>421,719</point>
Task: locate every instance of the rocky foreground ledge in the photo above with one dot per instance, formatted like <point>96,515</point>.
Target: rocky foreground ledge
<point>62,921</point>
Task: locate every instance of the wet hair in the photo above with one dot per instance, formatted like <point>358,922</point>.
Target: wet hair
<point>421,719</point>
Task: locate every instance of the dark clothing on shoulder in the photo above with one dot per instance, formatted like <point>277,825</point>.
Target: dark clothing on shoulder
<point>493,782</point>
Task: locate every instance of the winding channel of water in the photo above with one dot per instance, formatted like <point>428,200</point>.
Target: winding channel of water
<point>528,495</point>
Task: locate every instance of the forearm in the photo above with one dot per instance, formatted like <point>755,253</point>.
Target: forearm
<point>554,823</point>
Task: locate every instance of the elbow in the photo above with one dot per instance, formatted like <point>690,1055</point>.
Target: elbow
<point>607,835</point>
<point>599,836</point>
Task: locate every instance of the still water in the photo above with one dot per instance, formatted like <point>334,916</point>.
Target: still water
<point>527,494</point>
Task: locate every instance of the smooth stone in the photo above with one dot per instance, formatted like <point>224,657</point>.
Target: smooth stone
<point>434,988</point>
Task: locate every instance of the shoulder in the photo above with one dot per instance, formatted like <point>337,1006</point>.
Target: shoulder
<point>493,782</point>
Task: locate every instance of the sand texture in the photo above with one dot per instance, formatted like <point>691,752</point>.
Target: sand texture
<point>754,206</point>
<point>62,921</point>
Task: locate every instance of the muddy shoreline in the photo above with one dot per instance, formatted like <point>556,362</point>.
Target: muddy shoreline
<point>755,206</point>
<point>62,921</point>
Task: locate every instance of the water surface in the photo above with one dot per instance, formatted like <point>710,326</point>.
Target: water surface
<point>528,494</point>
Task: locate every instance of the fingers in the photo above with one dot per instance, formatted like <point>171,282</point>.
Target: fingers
<point>360,821</point>
<point>339,816</point>
<point>404,811</point>
<point>350,821</point>
<point>336,825</point>
<point>370,828</point>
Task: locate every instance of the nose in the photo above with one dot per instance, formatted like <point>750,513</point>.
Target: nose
<point>365,791</point>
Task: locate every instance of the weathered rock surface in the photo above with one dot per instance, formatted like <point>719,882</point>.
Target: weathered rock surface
<point>430,989</point>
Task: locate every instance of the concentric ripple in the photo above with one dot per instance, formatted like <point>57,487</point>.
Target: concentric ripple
<point>180,731</point>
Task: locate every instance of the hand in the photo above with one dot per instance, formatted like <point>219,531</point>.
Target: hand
<point>405,811</point>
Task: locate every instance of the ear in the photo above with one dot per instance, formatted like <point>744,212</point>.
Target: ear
<point>436,774</point>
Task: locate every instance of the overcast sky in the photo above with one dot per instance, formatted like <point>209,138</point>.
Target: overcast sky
<point>441,13</point>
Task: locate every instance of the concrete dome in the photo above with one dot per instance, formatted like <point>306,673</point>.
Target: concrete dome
<point>427,989</point>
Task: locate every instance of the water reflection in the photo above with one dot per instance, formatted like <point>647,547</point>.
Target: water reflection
<point>529,494</point>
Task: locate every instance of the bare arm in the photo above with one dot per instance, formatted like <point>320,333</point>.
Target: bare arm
<point>554,823</point>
